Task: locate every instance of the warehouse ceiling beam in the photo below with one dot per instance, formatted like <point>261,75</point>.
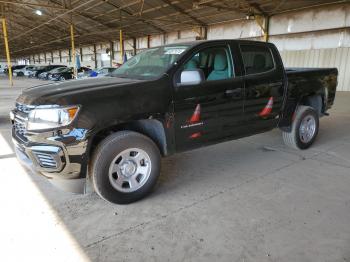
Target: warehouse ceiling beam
<point>65,38</point>
<point>93,20</point>
<point>12,2</point>
<point>139,19</point>
<point>99,35</point>
<point>134,19</point>
<point>53,19</point>
<point>22,14</point>
<point>275,12</point>
<point>220,7</point>
<point>26,20</point>
<point>182,11</point>
<point>174,23</point>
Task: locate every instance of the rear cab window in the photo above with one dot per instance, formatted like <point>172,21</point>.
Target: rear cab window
<point>257,59</point>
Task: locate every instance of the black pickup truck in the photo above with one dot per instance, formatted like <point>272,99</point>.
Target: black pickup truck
<point>165,100</point>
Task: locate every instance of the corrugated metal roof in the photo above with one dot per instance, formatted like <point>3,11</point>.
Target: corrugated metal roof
<point>100,20</point>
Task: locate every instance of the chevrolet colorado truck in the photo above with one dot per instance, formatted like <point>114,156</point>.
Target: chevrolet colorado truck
<point>165,100</point>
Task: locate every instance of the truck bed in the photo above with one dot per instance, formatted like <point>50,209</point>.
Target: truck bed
<point>308,81</point>
<point>293,71</point>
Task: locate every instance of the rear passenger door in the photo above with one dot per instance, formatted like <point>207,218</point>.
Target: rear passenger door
<point>264,77</point>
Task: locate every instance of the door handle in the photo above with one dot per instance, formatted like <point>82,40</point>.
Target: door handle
<point>197,100</point>
<point>234,93</point>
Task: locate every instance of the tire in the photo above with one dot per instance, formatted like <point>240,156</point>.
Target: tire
<point>307,117</point>
<point>62,78</point>
<point>114,161</point>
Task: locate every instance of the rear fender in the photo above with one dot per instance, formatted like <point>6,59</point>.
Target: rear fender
<point>315,101</point>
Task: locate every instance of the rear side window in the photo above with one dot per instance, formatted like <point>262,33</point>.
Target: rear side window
<point>256,59</point>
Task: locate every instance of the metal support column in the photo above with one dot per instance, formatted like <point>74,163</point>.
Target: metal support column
<point>81,54</point>
<point>73,58</point>
<point>111,53</point>
<point>95,56</point>
<point>121,41</point>
<point>264,23</point>
<point>7,49</point>
<point>134,45</point>
<point>148,41</point>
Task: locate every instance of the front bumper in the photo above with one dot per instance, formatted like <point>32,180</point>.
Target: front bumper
<point>59,158</point>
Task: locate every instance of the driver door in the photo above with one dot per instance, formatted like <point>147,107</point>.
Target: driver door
<point>207,111</point>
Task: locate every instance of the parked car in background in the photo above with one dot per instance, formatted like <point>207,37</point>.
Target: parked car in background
<point>102,71</point>
<point>35,71</point>
<point>54,71</point>
<point>28,71</point>
<point>84,72</point>
<point>44,75</point>
<point>13,68</point>
<point>69,74</point>
<point>23,71</point>
<point>42,69</point>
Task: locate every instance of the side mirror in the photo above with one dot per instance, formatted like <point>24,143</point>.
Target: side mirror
<point>191,77</point>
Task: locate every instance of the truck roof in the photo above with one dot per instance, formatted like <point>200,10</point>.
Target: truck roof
<point>198,42</point>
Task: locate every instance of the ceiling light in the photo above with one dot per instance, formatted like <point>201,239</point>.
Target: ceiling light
<point>38,12</point>
<point>250,16</point>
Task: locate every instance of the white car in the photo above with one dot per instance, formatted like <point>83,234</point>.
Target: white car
<point>23,71</point>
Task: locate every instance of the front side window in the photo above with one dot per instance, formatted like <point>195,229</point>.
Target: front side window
<point>256,59</point>
<point>151,63</point>
<point>214,62</point>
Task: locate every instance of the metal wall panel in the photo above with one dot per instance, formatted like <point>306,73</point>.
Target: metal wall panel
<point>332,57</point>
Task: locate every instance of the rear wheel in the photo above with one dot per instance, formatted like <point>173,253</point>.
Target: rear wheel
<point>304,128</point>
<point>125,167</point>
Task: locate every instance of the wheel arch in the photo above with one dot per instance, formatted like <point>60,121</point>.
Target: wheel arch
<point>151,128</point>
<point>314,100</point>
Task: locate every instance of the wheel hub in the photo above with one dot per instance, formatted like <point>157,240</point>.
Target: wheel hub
<point>128,168</point>
<point>307,129</point>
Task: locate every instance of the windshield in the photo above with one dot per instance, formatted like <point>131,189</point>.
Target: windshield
<point>67,69</point>
<point>151,63</point>
<point>58,70</point>
<point>39,68</point>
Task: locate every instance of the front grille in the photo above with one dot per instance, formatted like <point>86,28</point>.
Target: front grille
<point>23,108</point>
<point>20,127</point>
<point>45,160</point>
<point>20,119</point>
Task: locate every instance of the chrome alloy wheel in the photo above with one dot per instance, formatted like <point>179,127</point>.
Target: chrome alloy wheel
<point>307,129</point>
<point>130,170</point>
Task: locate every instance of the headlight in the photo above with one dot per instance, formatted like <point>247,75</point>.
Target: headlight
<point>50,117</point>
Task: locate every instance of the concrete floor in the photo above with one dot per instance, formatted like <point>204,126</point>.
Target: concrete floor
<point>247,200</point>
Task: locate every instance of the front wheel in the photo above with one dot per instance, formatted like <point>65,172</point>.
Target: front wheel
<point>304,128</point>
<point>125,167</point>
<point>62,78</point>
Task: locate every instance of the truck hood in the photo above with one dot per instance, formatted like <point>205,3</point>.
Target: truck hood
<point>43,94</point>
